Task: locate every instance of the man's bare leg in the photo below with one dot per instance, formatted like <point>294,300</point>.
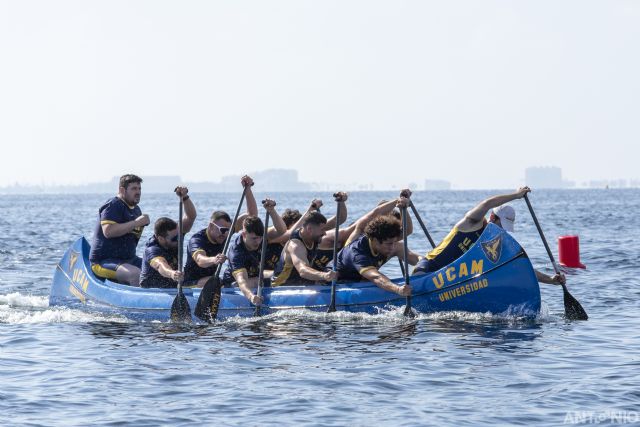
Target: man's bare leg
<point>129,274</point>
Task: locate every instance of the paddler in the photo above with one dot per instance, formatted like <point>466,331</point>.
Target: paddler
<point>296,262</point>
<point>118,230</point>
<point>293,220</point>
<point>160,259</point>
<point>204,251</point>
<point>375,240</point>
<point>467,231</point>
<point>324,253</point>
<point>244,252</point>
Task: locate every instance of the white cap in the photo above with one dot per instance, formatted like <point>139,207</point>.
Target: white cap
<point>507,216</point>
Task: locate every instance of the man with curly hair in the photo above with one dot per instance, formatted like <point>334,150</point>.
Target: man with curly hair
<point>370,246</point>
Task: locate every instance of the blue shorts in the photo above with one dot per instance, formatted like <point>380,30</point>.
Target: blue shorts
<point>423,266</point>
<point>106,269</point>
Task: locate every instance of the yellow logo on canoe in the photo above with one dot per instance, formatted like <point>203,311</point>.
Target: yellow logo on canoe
<point>458,272</point>
<point>493,248</point>
<point>73,258</point>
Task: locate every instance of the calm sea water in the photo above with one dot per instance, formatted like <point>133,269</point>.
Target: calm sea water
<point>65,367</point>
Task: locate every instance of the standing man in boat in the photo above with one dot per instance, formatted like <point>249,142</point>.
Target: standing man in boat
<point>376,239</point>
<point>244,252</point>
<point>118,230</point>
<point>204,250</point>
<point>467,231</point>
<point>160,259</point>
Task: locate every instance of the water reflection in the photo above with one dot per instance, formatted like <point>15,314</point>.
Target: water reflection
<point>328,334</point>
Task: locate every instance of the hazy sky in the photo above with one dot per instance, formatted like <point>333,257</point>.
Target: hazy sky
<point>381,92</point>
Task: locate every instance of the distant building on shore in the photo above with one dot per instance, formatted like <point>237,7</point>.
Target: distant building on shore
<point>436,185</point>
<point>544,177</point>
<point>269,180</point>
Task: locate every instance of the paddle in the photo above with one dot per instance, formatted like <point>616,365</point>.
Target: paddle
<point>401,266</point>
<point>572,308</point>
<point>263,256</point>
<point>332,304</point>
<point>180,310</point>
<point>207,306</point>
<point>424,228</point>
<point>405,250</point>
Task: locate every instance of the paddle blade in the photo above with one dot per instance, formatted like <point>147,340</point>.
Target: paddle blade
<point>207,306</point>
<point>332,304</point>
<point>572,308</point>
<point>408,312</point>
<point>180,310</point>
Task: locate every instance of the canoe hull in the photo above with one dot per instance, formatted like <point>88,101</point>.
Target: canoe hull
<point>494,276</point>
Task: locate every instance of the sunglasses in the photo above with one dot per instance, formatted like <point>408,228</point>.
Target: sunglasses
<point>172,239</point>
<point>222,230</point>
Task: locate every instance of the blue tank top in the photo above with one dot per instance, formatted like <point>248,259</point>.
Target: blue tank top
<point>323,258</point>
<point>272,256</point>
<point>285,272</point>
<point>452,247</point>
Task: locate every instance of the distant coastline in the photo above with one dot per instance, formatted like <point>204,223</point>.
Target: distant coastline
<point>286,180</point>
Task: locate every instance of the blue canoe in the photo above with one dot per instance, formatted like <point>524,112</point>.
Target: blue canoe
<point>494,276</point>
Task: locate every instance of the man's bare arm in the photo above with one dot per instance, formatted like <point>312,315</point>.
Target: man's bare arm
<point>476,215</point>
<point>298,255</point>
<point>382,281</point>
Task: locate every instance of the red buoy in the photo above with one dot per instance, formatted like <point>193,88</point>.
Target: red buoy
<point>569,252</point>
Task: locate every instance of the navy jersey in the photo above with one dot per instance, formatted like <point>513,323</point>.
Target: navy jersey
<point>200,243</point>
<point>240,258</point>
<point>356,258</point>
<point>149,276</point>
<point>274,250</point>
<point>285,272</point>
<point>323,258</point>
<point>115,211</point>
<point>450,249</point>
